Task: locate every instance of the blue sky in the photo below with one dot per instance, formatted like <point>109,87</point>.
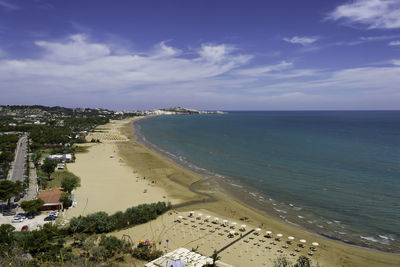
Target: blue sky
<point>231,55</point>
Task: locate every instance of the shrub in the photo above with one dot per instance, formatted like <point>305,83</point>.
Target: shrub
<point>145,253</point>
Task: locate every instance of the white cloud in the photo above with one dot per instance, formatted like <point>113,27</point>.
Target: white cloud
<point>76,64</point>
<point>264,70</point>
<point>75,50</point>
<point>301,40</point>
<point>394,43</point>
<point>7,5</point>
<point>376,14</point>
<point>77,71</point>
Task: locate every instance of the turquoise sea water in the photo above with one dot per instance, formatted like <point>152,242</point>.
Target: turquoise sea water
<point>333,173</point>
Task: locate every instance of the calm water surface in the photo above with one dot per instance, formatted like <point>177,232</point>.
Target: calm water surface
<point>334,173</point>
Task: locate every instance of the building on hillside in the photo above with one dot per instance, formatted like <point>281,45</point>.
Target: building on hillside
<point>51,199</point>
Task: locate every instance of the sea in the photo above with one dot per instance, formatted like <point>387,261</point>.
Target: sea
<point>333,173</point>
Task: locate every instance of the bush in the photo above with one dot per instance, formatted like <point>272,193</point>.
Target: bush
<point>303,261</point>
<point>147,254</point>
<point>32,206</point>
<point>282,261</point>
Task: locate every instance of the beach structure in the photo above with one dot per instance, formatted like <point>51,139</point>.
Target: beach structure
<point>183,257</point>
<point>63,158</point>
<point>51,199</point>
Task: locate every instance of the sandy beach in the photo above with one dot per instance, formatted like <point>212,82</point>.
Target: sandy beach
<point>119,173</point>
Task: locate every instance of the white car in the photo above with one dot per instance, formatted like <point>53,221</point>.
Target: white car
<point>53,213</point>
<point>17,219</point>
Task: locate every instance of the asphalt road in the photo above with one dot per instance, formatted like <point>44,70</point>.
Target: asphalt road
<point>18,169</point>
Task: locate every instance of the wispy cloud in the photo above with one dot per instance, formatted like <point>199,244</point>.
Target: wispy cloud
<point>301,40</point>
<point>7,5</point>
<point>80,71</point>
<point>394,43</point>
<point>375,14</point>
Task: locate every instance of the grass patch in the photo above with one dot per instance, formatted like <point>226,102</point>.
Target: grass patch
<point>56,178</point>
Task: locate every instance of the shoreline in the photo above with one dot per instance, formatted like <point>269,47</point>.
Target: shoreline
<point>176,182</point>
<point>250,197</point>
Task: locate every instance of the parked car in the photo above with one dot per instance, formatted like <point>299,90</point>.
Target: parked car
<point>17,219</point>
<point>30,216</point>
<point>50,218</point>
<point>24,228</point>
<point>8,213</point>
<point>53,213</point>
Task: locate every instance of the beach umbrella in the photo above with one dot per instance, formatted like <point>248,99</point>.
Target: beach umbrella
<point>200,214</point>
<point>191,213</point>
<point>225,222</point>
<point>180,217</point>
<point>268,232</point>
<point>279,235</point>
<point>243,226</point>
<point>232,232</point>
<point>290,238</point>
<point>302,241</point>
<point>258,229</point>
<point>233,224</point>
<point>141,240</point>
<point>315,244</point>
<point>208,217</point>
<point>147,241</point>
<point>216,219</point>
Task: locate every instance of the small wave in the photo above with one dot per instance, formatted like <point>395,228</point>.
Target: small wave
<point>280,211</point>
<point>253,194</point>
<point>320,226</point>
<point>301,217</point>
<point>291,205</point>
<point>297,208</point>
<point>283,217</point>
<point>310,221</point>
<point>369,238</point>
<point>236,185</point>
<point>337,221</point>
<point>387,237</point>
<point>329,222</point>
<point>340,233</point>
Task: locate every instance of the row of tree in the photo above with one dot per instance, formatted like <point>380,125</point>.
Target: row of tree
<point>101,222</point>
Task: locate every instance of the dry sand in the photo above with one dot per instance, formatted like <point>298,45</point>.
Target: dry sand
<point>109,184</point>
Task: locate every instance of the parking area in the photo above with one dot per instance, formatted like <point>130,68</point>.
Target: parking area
<point>33,224</point>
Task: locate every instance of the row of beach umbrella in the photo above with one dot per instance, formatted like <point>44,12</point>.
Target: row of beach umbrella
<point>243,228</point>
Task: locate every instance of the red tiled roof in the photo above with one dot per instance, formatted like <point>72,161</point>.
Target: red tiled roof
<point>51,196</point>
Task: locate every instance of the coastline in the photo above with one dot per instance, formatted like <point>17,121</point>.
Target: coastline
<point>182,185</point>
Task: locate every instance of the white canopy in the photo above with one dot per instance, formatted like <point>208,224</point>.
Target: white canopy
<point>258,229</point>
<point>200,214</point>
<point>302,240</point>
<point>279,235</point>
<point>233,223</point>
<point>243,226</point>
<point>268,232</point>
<point>290,237</point>
<point>232,232</point>
<point>315,244</point>
<point>225,221</point>
<point>216,219</point>
<point>208,217</point>
<point>180,217</point>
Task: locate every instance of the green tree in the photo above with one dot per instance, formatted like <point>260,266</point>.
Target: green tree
<point>282,261</point>
<point>32,206</point>
<point>5,237</point>
<point>9,189</point>
<point>69,183</point>
<point>66,200</point>
<point>48,166</point>
<point>36,157</point>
